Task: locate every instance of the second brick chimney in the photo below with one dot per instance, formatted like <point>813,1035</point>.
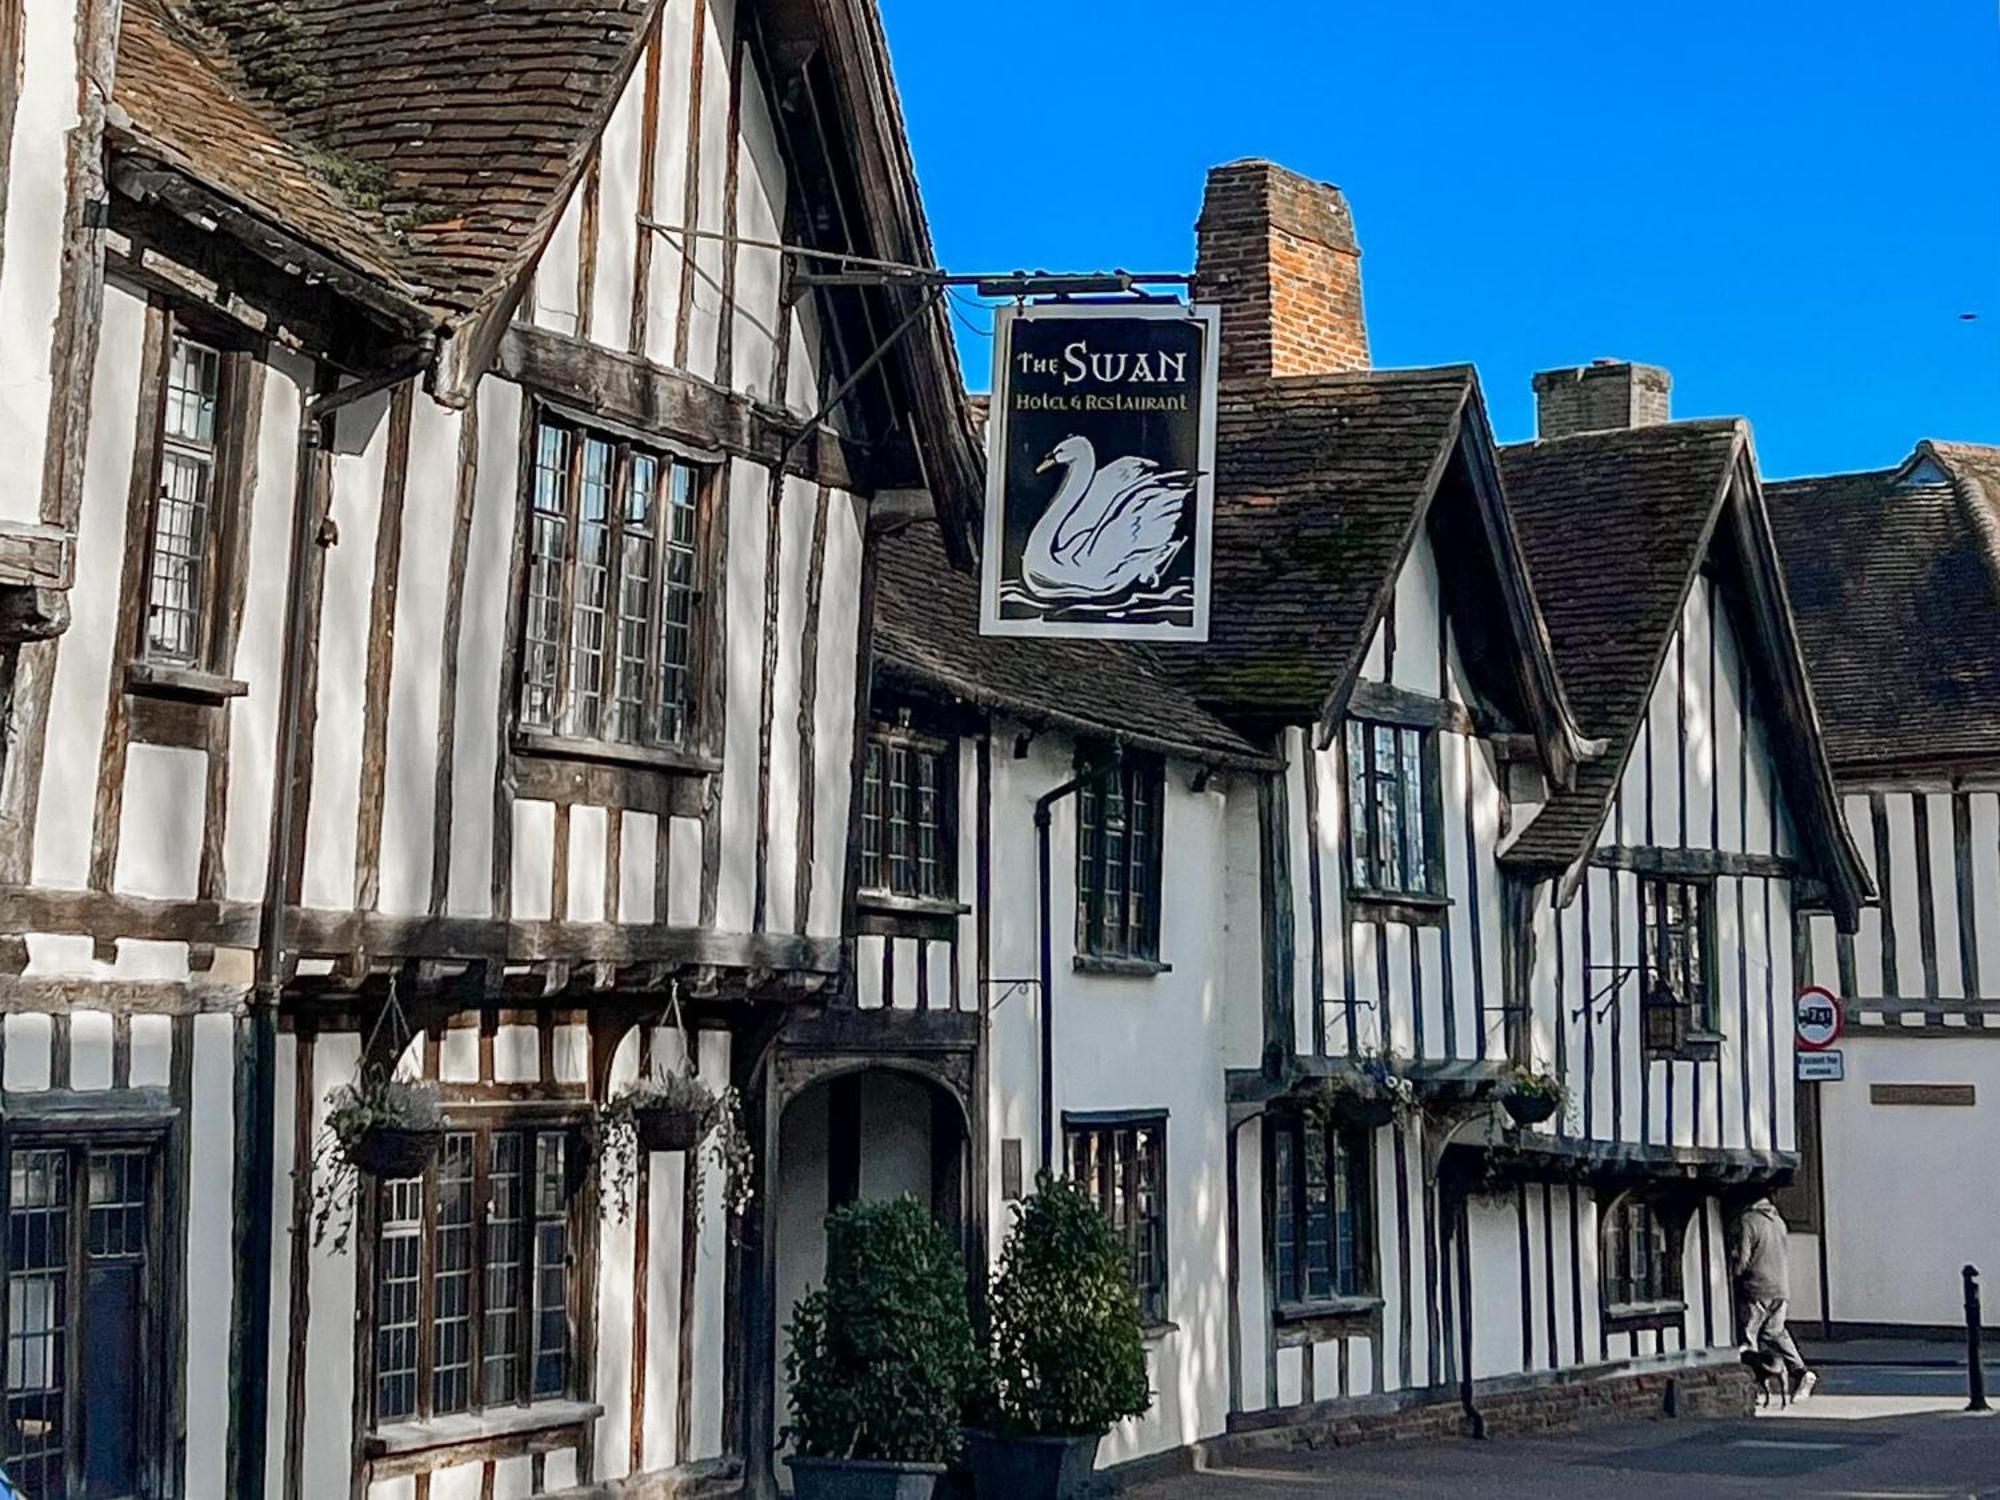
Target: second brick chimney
<point>1278,254</point>
<point>1607,395</point>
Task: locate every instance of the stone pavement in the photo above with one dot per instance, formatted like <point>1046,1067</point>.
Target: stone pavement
<point>1872,1433</point>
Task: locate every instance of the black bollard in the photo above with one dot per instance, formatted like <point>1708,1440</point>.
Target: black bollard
<point>1975,1366</point>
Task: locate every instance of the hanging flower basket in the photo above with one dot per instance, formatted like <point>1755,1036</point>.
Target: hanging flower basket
<point>1532,1098</point>
<point>1530,1109</point>
<point>395,1150</point>
<point>1364,1111</point>
<point>677,1112</point>
<point>383,1127</point>
<point>673,1124</point>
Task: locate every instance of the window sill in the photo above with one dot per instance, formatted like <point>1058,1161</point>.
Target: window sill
<point>1372,897</point>
<point>1130,968</point>
<point>1154,1333</point>
<point>1631,1316</point>
<point>1327,1310</point>
<point>646,757</point>
<point>190,684</point>
<point>1700,1047</point>
<point>478,1427</point>
<point>910,906</point>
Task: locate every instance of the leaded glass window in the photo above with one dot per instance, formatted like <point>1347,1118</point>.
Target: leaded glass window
<point>1319,1197</point>
<point>611,618</point>
<point>909,827</point>
<point>81,1396</point>
<point>1118,853</point>
<point>1123,1166</point>
<point>473,1277</point>
<point>1391,777</point>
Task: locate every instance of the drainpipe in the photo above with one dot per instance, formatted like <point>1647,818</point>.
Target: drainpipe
<point>1044,805</point>
<point>255,1236</point>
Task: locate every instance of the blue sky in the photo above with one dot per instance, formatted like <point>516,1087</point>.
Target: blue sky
<point>1788,205</point>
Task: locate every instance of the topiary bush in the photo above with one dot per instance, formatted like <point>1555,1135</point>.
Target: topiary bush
<point>1067,1357</point>
<point>882,1357</point>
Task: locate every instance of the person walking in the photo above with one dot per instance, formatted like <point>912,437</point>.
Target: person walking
<point>1762,1269</point>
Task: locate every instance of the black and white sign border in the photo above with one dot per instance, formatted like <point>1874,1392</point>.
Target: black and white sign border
<point>991,620</point>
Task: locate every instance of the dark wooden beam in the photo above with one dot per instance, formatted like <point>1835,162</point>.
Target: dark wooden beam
<point>679,407</point>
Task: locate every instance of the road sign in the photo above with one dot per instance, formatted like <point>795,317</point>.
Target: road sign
<point>1820,1020</point>
<point>1823,1067</point>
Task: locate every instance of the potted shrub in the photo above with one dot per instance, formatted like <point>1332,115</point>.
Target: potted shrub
<point>881,1359</point>
<point>1366,1094</point>
<point>383,1126</point>
<point>677,1113</point>
<point>1066,1357</point>
<point>1530,1098</point>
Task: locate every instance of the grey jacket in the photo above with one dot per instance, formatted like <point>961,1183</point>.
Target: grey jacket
<point>1758,1258</point>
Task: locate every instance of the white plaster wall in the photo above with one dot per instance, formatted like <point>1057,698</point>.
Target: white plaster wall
<point>31,272</point>
<point>475,743</point>
<point>88,652</point>
<point>347,613</point>
<point>1902,1213</point>
<point>747,497</point>
<point>254,719</point>
<point>1172,1020</point>
<point>409,791</point>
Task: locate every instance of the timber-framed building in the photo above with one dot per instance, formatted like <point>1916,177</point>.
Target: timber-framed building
<point>444,587</point>
<point>471,602</point>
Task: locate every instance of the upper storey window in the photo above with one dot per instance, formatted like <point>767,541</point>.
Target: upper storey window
<point>1676,960</point>
<point>194,432</point>
<point>909,831</point>
<point>1392,801</point>
<point>1118,861</point>
<point>611,641</point>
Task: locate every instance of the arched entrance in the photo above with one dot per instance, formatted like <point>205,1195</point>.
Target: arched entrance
<point>865,1130</point>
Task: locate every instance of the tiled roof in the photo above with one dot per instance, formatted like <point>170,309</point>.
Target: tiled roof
<point>927,630</point>
<point>1895,580</point>
<point>1320,484</point>
<point>1614,525</point>
<point>427,143</point>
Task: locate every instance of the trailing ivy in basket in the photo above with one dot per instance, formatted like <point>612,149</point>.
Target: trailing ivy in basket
<point>382,1126</point>
<point>678,1113</point>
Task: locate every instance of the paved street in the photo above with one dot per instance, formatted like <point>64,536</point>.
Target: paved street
<point>1874,1432</point>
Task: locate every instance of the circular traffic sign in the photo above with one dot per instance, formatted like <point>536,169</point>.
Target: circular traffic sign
<point>1820,1019</point>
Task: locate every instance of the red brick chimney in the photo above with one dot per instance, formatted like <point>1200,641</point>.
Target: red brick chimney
<point>1278,253</point>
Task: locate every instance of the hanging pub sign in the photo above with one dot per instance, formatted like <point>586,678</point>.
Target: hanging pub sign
<point>1100,497</point>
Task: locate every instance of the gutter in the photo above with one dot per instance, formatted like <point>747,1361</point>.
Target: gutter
<point>256,1139</point>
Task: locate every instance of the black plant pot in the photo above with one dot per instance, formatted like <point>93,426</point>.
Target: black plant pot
<point>1364,1113</point>
<point>395,1151</point>
<point>666,1127</point>
<point>1031,1468</point>
<point>1529,1109</point>
<point>861,1479</point>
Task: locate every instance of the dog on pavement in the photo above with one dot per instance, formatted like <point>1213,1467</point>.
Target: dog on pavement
<point>1771,1376</point>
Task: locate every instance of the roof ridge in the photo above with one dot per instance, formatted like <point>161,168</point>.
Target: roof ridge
<point>1679,426</point>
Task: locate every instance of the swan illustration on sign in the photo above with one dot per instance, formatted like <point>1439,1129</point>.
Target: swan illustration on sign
<point>1100,472</point>
<point>1108,531</point>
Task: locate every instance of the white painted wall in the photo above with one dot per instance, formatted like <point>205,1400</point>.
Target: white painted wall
<point>1174,1021</point>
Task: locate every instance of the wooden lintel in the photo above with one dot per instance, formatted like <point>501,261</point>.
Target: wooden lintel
<point>677,407</point>
<point>1393,705</point>
<point>1694,863</point>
